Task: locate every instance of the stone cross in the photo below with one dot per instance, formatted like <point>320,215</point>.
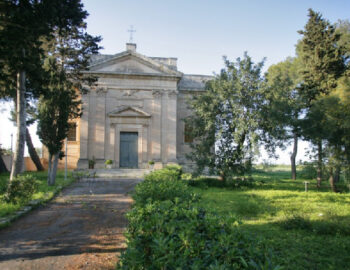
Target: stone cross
<point>131,31</point>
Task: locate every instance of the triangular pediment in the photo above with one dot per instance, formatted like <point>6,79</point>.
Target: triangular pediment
<point>128,111</point>
<point>131,63</point>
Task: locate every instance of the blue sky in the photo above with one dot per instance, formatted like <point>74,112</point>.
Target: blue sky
<point>199,33</point>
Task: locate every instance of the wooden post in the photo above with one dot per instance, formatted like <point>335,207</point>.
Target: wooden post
<point>306,185</point>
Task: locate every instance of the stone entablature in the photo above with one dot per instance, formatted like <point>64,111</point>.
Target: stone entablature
<point>138,94</point>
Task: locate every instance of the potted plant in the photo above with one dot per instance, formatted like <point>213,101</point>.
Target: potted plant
<point>92,163</point>
<point>151,164</point>
<point>109,163</point>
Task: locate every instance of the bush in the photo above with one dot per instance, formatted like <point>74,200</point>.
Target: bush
<point>160,190</point>
<point>3,183</point>
<point>166,231</point>
<point>233,182</point>
<point>21,189</point>
<point>176,235</point>
<point>308,171</point>
<point>162,185</point>
<point>169,173</point>
<point>108,162</point>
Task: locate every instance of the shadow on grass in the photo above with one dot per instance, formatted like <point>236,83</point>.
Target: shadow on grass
<point>304,249</point>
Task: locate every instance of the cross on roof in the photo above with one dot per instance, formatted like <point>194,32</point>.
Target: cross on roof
<point>131,31</point>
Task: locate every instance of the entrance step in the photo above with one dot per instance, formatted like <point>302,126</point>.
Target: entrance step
<point>122,173</point>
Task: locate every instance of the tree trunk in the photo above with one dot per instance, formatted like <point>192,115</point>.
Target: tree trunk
<point>293,156</point>
<point>49,169</point>
<point>332,180</point>
<point>2,165</point>
<point>32,152</point>
<point>21,125</point>
<point>54,170</point>
<point>337,174</point>
<point>319,163</point>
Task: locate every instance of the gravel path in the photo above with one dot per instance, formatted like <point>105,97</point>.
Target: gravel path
<point>81,229</point>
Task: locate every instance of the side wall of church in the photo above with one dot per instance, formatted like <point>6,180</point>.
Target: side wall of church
<point>184,111</point>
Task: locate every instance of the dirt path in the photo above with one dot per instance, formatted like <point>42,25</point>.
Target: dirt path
<point>80,229</point>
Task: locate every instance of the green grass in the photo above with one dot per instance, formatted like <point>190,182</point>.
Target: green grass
<point>44,192</point>
<point>307,230</point>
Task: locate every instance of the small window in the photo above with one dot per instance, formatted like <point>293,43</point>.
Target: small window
<point>72,132</point>
<point>188,136</point>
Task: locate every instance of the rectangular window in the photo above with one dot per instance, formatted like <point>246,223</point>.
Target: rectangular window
<point>188,134</point>
<point>72,132</point>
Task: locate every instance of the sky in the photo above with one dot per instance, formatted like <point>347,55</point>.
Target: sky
<point>199,33</point>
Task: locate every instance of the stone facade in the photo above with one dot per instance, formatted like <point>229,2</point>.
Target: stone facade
<point>135,93</point>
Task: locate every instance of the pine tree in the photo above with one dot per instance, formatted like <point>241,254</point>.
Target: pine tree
<point>324,62</point>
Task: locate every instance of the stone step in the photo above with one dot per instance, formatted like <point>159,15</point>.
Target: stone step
<point>122,173</point>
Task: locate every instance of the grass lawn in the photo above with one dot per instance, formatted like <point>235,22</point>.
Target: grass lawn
<point>307,230</point>
<point>44,192</point>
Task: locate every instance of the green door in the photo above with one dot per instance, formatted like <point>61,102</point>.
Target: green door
<point>128,149</point>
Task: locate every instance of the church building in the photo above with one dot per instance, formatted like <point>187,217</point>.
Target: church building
<point>135,113</point>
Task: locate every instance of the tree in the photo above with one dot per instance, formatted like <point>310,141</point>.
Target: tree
<point>67,57</point>
<point>2,163</point>
<point>283,105</point>
<point>31,118</point>
<point>224,123</point>
<point>324,63</point>
<point>54,113</point>
<point>23,26</point>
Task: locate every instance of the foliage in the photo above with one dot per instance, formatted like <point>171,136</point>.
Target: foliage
<point>322,60</point>
<point>92,162</point>
<point>318,219</point>
<point>67,54</point>
<point>42,193</point>
<point>151,162</point>
<point>231,182</point>
<point>170,172</point>
<point>24,27</point>
<point>108,162</point>
<point>283,104</point>
<point>162,185</point>
<point>20,189</point>
<point>224,123</point>
<point>172,233</point>
<point>308,170</point>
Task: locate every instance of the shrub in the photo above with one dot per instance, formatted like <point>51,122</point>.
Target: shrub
<point>108,162</point>
<point>176,235</point>
<point>233,182</point>
<point>157,189</point>
<point>151,162</point>
<point>169,173</point>
<point>3,183</point>
<point>308,171</point>
<point>21,189</point>
<point>174,169</point>
<point>166,231</point>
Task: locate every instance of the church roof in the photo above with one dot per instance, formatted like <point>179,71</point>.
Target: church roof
<point>193,82</point>
<point>151,66</point>
<point>165,66</point>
